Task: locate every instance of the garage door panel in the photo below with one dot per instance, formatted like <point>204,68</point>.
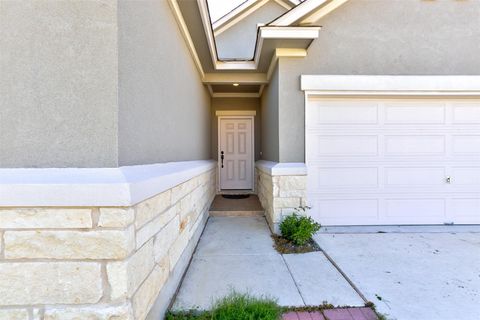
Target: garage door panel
<point>415,145</point>
<point>466,144</point>
<point>387,162</point>
<point>408,176</point>
<point>344,112</point>
<point>414,113</point>
<point>466,176</point>
<point>343,145</point>
<point>343,209</point>
<point>343,177</point>
<point>466,113</point>
<point>466,210</point>
<point>415,208</point>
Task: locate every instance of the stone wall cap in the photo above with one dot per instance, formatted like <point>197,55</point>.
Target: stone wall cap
<point>282,168</point>
<point>105,187</point>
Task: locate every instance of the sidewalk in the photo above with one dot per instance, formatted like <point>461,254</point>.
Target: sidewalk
<point>236,253</point>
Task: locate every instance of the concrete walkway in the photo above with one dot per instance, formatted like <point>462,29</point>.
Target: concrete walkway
<point>425,274</point>
<point>236,253</point>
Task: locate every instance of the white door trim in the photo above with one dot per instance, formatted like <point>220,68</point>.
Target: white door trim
<point>236,115</point>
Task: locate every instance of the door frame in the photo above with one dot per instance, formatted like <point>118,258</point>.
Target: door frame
<point>236,114</point>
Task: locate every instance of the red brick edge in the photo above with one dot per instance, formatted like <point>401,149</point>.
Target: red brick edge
<point>333,314</point>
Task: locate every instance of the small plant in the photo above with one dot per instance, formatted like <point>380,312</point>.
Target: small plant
<point>299,228</point>
<point>238,306</point>
<point>235,306</point>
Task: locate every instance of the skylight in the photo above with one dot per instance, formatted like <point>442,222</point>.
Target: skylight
<point>219,8</point>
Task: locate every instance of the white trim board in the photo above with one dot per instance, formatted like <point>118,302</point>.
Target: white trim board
<point>237,15</point>
<point>235,113</point>
<point>235,95</point>
<point>307,12</point>
<point>282,169</point>
<point>68,187</point>
<point>373,84</point>
<point>186,35</point>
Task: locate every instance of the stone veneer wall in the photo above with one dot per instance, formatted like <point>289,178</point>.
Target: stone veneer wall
<point>98,262</point>
<point>279,193</point>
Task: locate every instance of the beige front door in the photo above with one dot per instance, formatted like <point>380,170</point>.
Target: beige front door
<point>235,152</point>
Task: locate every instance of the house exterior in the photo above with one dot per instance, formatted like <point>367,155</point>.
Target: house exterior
<point>121,120</point>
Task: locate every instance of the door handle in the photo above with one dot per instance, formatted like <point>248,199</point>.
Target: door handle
<point>222,157</point>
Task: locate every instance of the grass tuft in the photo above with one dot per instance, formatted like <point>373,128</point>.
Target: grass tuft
<point>235,306</point>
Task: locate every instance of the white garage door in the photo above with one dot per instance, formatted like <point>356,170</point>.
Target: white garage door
<point>395,161</point>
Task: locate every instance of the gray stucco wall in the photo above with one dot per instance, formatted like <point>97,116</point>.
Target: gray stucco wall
<point>239,40</point>
<point>164,108</point>
<point>408,37</point>
<point>236,104</point>
<point>270,120</point>
<point>58,83</point>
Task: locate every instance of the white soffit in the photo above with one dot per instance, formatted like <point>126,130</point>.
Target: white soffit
<point>230,78</point>
<point>373,84</point>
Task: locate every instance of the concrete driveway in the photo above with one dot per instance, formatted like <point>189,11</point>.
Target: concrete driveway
<point>427,275</point>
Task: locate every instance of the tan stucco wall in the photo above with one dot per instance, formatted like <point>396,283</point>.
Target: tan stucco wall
<point>58,83</point>
<point>269,112</point>
<point>98,84</point>
<point>236,104</point>
<point>164,108</point>
<point>380,37</point>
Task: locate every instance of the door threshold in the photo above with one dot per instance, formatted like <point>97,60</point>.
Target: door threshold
<point>236,191</point>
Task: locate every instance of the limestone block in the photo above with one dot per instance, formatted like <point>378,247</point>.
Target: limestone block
<point>303,201</point>
<point>126,276</point>
<point>150,208</point>
<point>13,314</point>
<point>289,211</point>
<point>30,283</point>
<point>148,292</point>
<point>293,193</point>
<point>276,215</point>
<point>23,218</point>
<point>183,189</point>
<point>154,226</point>
<point>199,223</point>
<point>177,248</point>
<point>286,202</point>
<point>99,312</point>
<point>116,217</point>
<point>165,238</point>
<point>37,314</point>
<point>293,182</point>
<point>104,244</point>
